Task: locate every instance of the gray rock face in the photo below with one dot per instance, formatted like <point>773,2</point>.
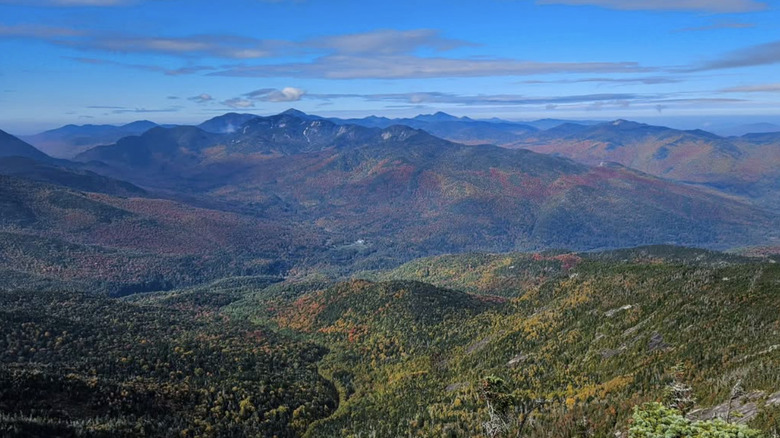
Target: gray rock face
<point>743,409</point>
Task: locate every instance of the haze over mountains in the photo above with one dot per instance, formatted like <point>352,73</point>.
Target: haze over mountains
<point>15,147</point>
<point>479,219</point>
<point>369,193</point>
<point>293,157</point>
<point>365,271</point>
<point>738,165</point>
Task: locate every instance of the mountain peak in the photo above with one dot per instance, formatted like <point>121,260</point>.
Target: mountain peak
<point>139,125</point>
<point>436,117</point>
<point>443,114</point>
<point>295,113</point>
<point>226,123</point>
<point>623,124</point>
<point>12,146</point>
<point>399,132</point>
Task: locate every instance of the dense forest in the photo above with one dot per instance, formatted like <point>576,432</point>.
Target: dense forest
<point>406,219</point>
<point>80,365</point>
<point>543,344</point>
<point>300,277</point>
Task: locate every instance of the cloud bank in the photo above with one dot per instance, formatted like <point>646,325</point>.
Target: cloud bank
<point>386,42</point>
<point>762,54</point>
<point>716,6</point>
<point>238,103</point>
<point>762,88</point>
<point>717,26</point>
<point>381,54</point>
<point>287,94</point>
<point>201,98</point>
<point>406,67</point>
<point>66,3</point>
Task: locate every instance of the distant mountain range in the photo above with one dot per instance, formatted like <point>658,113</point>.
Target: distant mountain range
<point>399,187</point>
<point>11,146</point>
<point>70,140</point>
<point>273,281</point>
<point>226,123</point>
<point>459,129</point>
<point>370,196</point>
<point>741,166</point>
<point>750,128</point>
<point>21,159</point>
<point>744,166</point>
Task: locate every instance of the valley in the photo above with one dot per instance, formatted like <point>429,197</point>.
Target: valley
<point>400,352</point>
<point>406,219</point>
<point>292,275</point>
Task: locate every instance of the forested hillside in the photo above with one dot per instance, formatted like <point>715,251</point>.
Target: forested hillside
<point>591,338</point>
<point>574,341</point>
<point>406,194</point>
<point>292,279</point>
<point>73,364</point>
<point>577,339</point>
<point>405,219</point>
<point>131,244</point>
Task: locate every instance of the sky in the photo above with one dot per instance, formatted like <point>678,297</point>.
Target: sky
<point>684,62</point>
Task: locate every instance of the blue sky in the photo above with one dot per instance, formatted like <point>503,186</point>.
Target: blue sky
<point>184,61</point>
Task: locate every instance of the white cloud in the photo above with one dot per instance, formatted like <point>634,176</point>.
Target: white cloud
<point>145,110</point>
<point>202,98</point>
<point>287,94</point>
<point>763,54</point>
<point>717,6</point>
<point>647,80</point>
<point>717,26</point>
<point>38,31</point>
<point>510,102</point>
<point>99,3</point>
<point>375,43</point>
<point>404,67</point>
<point>238,103</point>
<point>382,54</point>
<point>88,2</point>
<point>192,69</point>
<point>386,42</point>
<point>429,97</point>
<point>762,88</point>
<point>220,46</point>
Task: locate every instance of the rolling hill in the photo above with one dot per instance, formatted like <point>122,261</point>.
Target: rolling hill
<point>590,334</point>
<point>11,146</point>
<point>20,159</point>
<point>70,140</point>
<point>267,280</point>
<point>742,166</point>
<point>295,193</point>
<point>226,123</point>
<point>458,129</point>
<point>68,175</point>
<point>397,193</point>
<point>121,245</point>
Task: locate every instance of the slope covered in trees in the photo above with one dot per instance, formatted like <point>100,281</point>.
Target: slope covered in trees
<point>406,193</point>
<point>124,245</point>
<point>78,365</point>
<point>578,340</point>
<point>293,194</point>
<point>591,338</point>
<point>287,297</point>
